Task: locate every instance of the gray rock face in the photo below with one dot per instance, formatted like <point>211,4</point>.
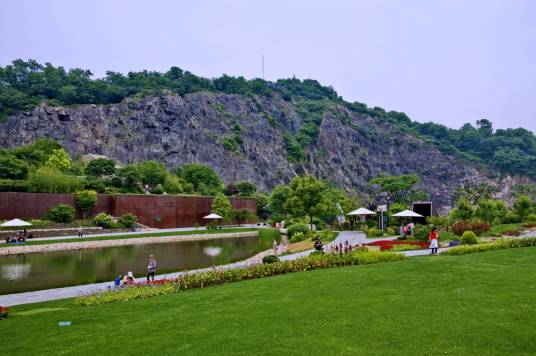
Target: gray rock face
<point>178,130</point>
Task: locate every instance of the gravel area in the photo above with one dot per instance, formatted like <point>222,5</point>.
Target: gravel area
<point>15,250</point>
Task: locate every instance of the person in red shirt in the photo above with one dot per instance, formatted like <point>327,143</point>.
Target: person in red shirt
<point>433,237</point>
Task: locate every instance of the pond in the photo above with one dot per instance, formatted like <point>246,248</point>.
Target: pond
<point>35,271</point>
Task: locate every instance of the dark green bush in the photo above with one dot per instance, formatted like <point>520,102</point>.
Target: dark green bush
<point>498,245</point>
<point>103,220</point>
<point>158,190</point>
<point>421,232</point>
<point>299,227</point>
<point>61,213</point>
<point>374,232</point>
<point>270,259</point>
<point>128,219</point>
<point>11,185</point>
<point>469,238</point>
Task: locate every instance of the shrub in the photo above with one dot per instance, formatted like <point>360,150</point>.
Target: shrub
<point>297,237</point>
<point>86,200</point>
<point>391,231</point>
<point>498,245</point>
<point>531,218</point>
<point>128,219</point>
<point>157,190</point>
<point>270,259</point>
<point>103,220</point>
<point>267,236</point>
<point>4,312</point>
<point>477,227</point>
<point>469,238</point>
<point>220,276</point>
<point>327,235</point>
<point>374,232</point>
<point>49,180</point>
<point>295,228</point>
<point>511,218</point>
<point>10,185</point>
<point>421,232</point>
<point>405,247</point>
<point>61,213</point>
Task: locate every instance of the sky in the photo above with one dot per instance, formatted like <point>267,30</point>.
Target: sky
<point>446,61</point>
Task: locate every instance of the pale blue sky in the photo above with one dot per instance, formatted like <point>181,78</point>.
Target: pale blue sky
<point>445,61</point>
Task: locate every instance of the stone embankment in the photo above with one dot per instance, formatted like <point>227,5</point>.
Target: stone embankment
<point>15,250</point>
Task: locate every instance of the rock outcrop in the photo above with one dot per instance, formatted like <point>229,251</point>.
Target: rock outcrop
<point>350,149</point>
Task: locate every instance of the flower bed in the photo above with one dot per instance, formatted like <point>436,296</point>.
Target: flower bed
<point>220,276</point>
<point>386,245</point>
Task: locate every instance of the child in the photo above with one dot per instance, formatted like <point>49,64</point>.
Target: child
<point>117,280</point>
<point>433,237</point>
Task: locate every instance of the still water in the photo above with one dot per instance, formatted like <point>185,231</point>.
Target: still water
<point>34,271</point>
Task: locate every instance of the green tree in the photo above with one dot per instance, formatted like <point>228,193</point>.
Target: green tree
<point>172,185</point>
<point>12,168</point>
<point>263,206</point>
<point>398,186</point>
<point>59,160</point>
<point>100,167</point>
<point>221,206</point>
<point>202,178</point>
<point>49,180</point>
<point>278,199</point>
<point>86,200</point>
<point>246,189</point>
<point>486,210</point>
<point>242,215</point>
<point>523,207</point>
<point>463,211</point>
<point>130,178</point>
<point>152,172</point>
<point>307,197</point>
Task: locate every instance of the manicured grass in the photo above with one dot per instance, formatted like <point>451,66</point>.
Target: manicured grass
<point>481,304</point>
<point>132,236</point>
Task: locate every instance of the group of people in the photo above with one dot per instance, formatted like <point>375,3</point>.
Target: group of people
<point>20,236</point>
<point>341,248</point>
<point>129,278</point>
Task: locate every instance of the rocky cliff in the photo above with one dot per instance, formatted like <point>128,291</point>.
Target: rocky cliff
<point>349,148</point>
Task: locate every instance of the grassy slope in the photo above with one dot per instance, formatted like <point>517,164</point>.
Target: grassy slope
<point>132,236</point>
<point>474,304</point>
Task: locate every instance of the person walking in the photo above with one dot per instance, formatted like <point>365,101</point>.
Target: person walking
<point>80,233</point>
<point>433,237</point>
<point>151,268</point>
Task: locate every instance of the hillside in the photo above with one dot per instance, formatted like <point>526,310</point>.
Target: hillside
<point>254,130</point>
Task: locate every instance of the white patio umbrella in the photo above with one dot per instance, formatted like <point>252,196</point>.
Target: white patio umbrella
<point>213,216</point>
<point>16,223</point>
<point>407,214</point>
<point>361,211</point>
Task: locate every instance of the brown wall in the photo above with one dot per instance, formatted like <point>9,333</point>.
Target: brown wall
<point>162,211</point>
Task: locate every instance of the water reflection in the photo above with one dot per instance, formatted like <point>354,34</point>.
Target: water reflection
<point>20,273</point>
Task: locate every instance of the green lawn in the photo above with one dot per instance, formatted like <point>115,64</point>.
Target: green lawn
<point>479,304</point>
<point>131,236</point>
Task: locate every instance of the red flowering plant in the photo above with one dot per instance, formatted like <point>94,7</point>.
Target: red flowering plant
<point>4,311</point>
<point>386,245</point>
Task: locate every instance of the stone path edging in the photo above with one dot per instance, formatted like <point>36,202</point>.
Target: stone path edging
<point>66,246</point>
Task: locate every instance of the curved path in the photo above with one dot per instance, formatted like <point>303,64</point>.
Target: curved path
<point>352,237</point>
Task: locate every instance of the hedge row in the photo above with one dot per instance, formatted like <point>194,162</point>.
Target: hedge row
<point>221,276</point>
<point>498,245</point>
